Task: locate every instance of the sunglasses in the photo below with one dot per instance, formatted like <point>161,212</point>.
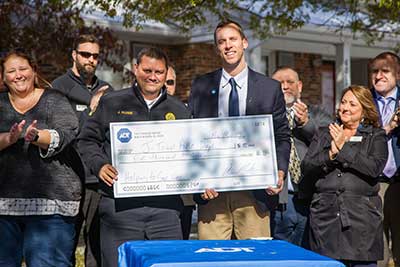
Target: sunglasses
<point>170,82</point>
<point>88,54</point>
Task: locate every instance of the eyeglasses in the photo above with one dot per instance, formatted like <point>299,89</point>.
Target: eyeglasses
<point>88,54</point>
<point>170,82</point>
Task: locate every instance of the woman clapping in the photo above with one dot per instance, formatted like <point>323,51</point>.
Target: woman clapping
<point>39,185</point>
<point>345,159</point>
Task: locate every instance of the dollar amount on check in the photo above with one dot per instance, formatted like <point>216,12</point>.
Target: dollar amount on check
<point>188,156</point>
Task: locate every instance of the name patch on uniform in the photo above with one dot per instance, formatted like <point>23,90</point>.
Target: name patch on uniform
<point>355,139</point>
<point>170,116</point>
<point>81,107</point>
<point>124,112</point>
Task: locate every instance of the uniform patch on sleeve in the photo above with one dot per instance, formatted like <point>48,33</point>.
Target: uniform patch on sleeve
<point>170,116</point>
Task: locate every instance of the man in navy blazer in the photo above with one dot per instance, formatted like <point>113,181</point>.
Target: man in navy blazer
<point>238,214</point>
<point>385,72</point>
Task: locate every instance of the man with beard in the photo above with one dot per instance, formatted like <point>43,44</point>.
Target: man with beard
<point>83,90</point>
<point>289,219</point>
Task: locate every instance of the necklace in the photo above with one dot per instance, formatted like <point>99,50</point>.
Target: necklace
<point>22,105</point>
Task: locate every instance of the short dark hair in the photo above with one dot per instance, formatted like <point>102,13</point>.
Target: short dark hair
<point>281,68</point>
<point>226,23</point>
<point>386,56</point>
<point>153,52</point>
<point>85,38</point>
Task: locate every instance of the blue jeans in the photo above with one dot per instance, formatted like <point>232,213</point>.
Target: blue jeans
<point>290,224</point>
<point>40,240</point>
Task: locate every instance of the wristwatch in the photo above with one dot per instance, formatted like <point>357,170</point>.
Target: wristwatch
<point>36,137</point>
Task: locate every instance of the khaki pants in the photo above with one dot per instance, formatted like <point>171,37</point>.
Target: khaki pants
<point>233,214</point>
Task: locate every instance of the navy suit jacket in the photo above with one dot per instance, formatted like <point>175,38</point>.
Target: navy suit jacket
<point>264,96</point>
<point>395,133</point>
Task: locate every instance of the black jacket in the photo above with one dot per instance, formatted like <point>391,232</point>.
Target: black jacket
<point>77,92</point>
<point>346,210</point>
<point>79,97</point>
<point>124,106</point>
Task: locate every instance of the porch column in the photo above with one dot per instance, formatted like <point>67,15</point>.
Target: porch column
<point>254,57</point>
<point>343,77</point>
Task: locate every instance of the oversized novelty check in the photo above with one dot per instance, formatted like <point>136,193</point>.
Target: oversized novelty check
<point>188,156</point>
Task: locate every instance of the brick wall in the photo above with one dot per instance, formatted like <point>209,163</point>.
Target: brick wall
<point>309,68</point>
<point>191,61</point>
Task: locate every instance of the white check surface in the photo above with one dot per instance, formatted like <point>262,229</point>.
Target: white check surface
<point>187,156</point>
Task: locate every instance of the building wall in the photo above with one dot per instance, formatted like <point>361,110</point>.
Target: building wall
<point>309,68</point>
<point>191,61</point>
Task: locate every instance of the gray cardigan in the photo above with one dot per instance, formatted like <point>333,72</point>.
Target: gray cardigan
<point>29,183</point>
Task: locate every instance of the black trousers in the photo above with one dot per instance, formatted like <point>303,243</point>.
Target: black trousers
<point>120,224</point>
<point>186,221</point>
<point>89,223</point>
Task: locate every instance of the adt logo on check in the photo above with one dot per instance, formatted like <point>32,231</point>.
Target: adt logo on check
<point>124,135</point>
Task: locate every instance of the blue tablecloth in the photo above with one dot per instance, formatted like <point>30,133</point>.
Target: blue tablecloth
<point>226,253</point>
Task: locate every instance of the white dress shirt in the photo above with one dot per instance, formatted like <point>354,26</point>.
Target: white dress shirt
<point>241,80</point>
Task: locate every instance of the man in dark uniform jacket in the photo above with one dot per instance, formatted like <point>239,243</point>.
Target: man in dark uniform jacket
<point>135,218</point>
<point>236,90</point>
<point>83,90</point>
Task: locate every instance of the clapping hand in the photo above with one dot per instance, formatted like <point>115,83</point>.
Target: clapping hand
<point>15,132</point>
<point>94,102</point>
<point>300,112</point>
<point>393,123</point>
<point>338,136</point>
<point>31,132</point>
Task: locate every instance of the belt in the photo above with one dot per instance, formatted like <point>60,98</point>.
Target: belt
<point>281,207</point>
<point>389,180</point>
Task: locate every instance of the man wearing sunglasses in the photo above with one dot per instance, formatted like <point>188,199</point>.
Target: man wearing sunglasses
<point>83,90</point>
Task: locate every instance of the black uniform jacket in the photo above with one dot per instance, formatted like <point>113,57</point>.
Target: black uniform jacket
<point>79,97</point>
<point>76,90</point>
<point>124,106</point>
<point>346,211</point>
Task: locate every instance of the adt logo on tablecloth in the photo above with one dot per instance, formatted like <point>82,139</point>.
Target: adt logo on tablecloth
<point>225,249</point>
<point>124,135</point>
